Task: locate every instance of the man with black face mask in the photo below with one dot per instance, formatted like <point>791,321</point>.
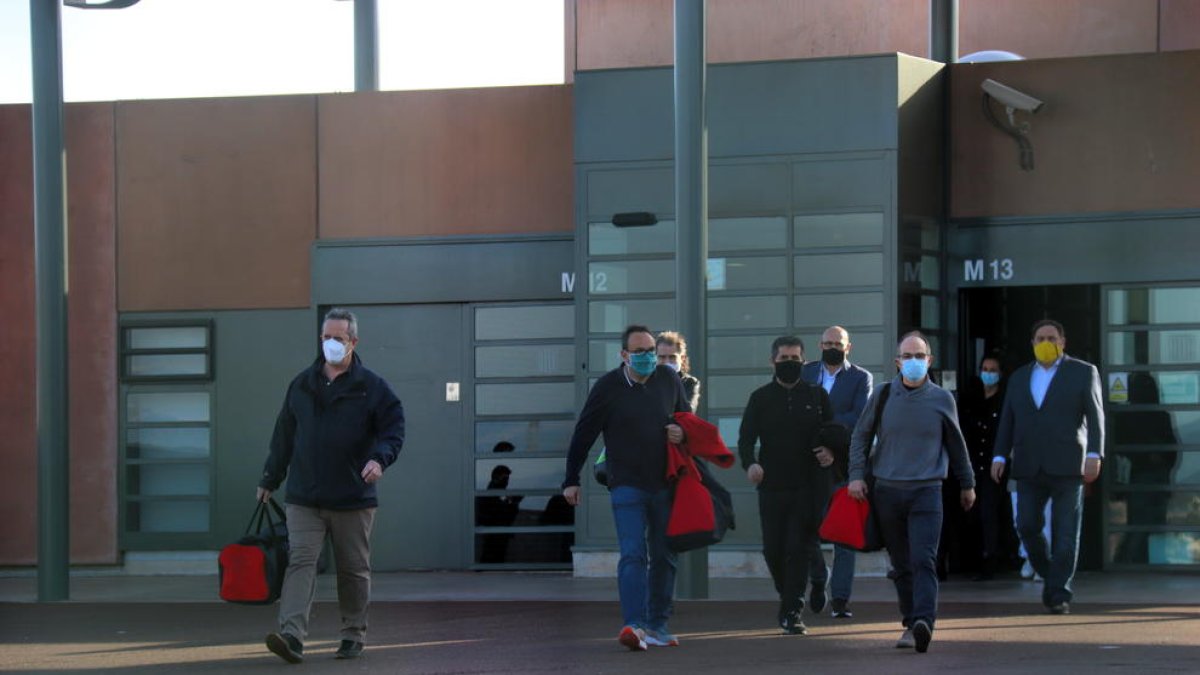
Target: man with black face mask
<point>784,417</point>
<point>848,387</point>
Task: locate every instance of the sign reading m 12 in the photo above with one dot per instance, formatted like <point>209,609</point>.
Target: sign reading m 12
<point>997,269</point>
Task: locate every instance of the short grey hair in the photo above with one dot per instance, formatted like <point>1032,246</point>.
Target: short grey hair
<point>915,334</point>
<point>339,314</point>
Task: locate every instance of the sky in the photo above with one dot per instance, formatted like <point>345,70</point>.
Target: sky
<point>209,48</point>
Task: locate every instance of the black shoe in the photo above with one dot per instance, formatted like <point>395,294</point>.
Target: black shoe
<point>840,610</point>
<point>1060,608</point>
<point>350,649</point>
<point>781,617</point>
<point>286,647</point>
<point>816,598</point>
<point>792,624</point>
<point>922,634</point>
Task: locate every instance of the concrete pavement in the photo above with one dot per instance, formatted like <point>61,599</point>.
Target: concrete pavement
<point>532,623</point>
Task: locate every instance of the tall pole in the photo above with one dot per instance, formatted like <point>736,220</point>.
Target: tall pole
<point>943,31</point>
<point>691,218</point>
<point>366,45</point>
<point>50,256</point>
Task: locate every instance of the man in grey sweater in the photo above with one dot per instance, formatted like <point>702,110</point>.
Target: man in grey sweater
<point>918,438</point>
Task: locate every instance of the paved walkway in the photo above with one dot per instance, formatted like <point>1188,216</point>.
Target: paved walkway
<point>552,623</point>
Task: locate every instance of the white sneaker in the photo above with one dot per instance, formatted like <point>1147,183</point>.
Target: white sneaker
<point>634,639</point>
<point>661,638</point>
<point>906,640</point>
<point>1027,571</point>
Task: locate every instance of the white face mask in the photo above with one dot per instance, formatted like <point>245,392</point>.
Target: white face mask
<point>334,351</point>
<point>673,365</point>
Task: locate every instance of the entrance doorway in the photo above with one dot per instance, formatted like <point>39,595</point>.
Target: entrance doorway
<point>998,320</point>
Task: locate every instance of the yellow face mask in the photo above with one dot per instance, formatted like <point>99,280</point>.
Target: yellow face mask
<point>1046,352</point>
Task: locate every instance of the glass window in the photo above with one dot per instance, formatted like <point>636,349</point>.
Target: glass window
<point>526,547</point>
<point>841,309</point>
<point>158,365</point>
<point>167,443</point>
<point>922,272</point>
<point>919,234</point>
<point>525,361</point>
<point>841,269</point>
<point>612,316</point>
<point>740,351</point>
<point>181,337</point>
<point>1154,306</point>
<point>1154,347</point>
<point>1150,508</point>
<point>166,352</point>
<point>869,349</point>
<point>608,239</point>
<point>525,323</point>
<point>839,229</point>
<point>167,407</point>
<point>732,391</point>
<point>1175,387</point>
<point>744,234</point>
<point>744,274</point>
<point>1155,548</point>
<point>634,276</point>
<point>167,517</point>
<point>729,427</point>
<point>525,399</point>
<point>747,312</point>
<point>168,480</point>
<point>1154,467</point>
<point>517,473</point>
<point>604,355</point>
<point>520,436</point>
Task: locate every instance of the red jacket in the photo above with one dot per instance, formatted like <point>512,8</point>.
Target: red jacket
<point>692,511</point>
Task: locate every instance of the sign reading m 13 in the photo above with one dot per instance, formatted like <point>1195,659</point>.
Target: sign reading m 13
<point>997,269</point>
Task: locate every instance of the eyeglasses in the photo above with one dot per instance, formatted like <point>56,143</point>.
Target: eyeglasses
<point>921,356</point>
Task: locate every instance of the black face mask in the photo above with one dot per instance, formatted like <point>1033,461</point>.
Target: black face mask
<point>833,357</point>
<point>788,372</point>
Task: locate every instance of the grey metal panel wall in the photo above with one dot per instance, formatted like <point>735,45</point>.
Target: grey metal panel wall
<point>373,272</point>
<point>1100,249</point>
<point>785,107</point>
<point>785,138</point>
<point>257,353</point>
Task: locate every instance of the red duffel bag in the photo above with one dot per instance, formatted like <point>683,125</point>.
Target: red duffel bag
<point>849,522</point>
<point>251,569</point>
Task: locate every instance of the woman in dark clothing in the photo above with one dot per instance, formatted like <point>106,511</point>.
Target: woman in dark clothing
<point>979,413</point>
<point>671,348</point>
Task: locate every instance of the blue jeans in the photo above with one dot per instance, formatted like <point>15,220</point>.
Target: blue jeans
<point>911,523</point>
<point>646,571</point>
<point>1055,562</point>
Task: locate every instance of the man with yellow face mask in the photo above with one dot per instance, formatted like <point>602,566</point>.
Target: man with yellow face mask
<point>1052,428</point>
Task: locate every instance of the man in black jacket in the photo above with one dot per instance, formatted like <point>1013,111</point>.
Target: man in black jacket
<point>340,427</point>
<point>784,417</point>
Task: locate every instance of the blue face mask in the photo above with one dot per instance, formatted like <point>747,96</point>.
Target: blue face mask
<point>643,364</point>
<point>989,379</point>
<point>914,369</point>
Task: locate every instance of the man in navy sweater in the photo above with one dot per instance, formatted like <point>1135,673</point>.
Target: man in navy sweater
<point>918,440</point>
<point>633,405</point>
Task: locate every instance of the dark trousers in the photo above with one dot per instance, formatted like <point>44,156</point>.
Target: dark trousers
<point>911,522</point>
<point>1055,562</point>
<point>790,519</point>
<point>990,518</point>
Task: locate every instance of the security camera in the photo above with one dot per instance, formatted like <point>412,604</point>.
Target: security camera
<point>1010,97</point>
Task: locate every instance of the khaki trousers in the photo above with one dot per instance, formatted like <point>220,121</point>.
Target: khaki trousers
<point>350,532</point>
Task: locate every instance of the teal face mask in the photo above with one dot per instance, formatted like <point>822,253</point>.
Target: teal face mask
<point>643,364</point>
<point>990,379</point>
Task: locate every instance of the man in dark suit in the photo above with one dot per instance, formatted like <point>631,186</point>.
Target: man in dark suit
<point>1052,429</point>
<point>848,387</point>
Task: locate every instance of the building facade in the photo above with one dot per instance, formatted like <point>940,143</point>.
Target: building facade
<point>472,232</point>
